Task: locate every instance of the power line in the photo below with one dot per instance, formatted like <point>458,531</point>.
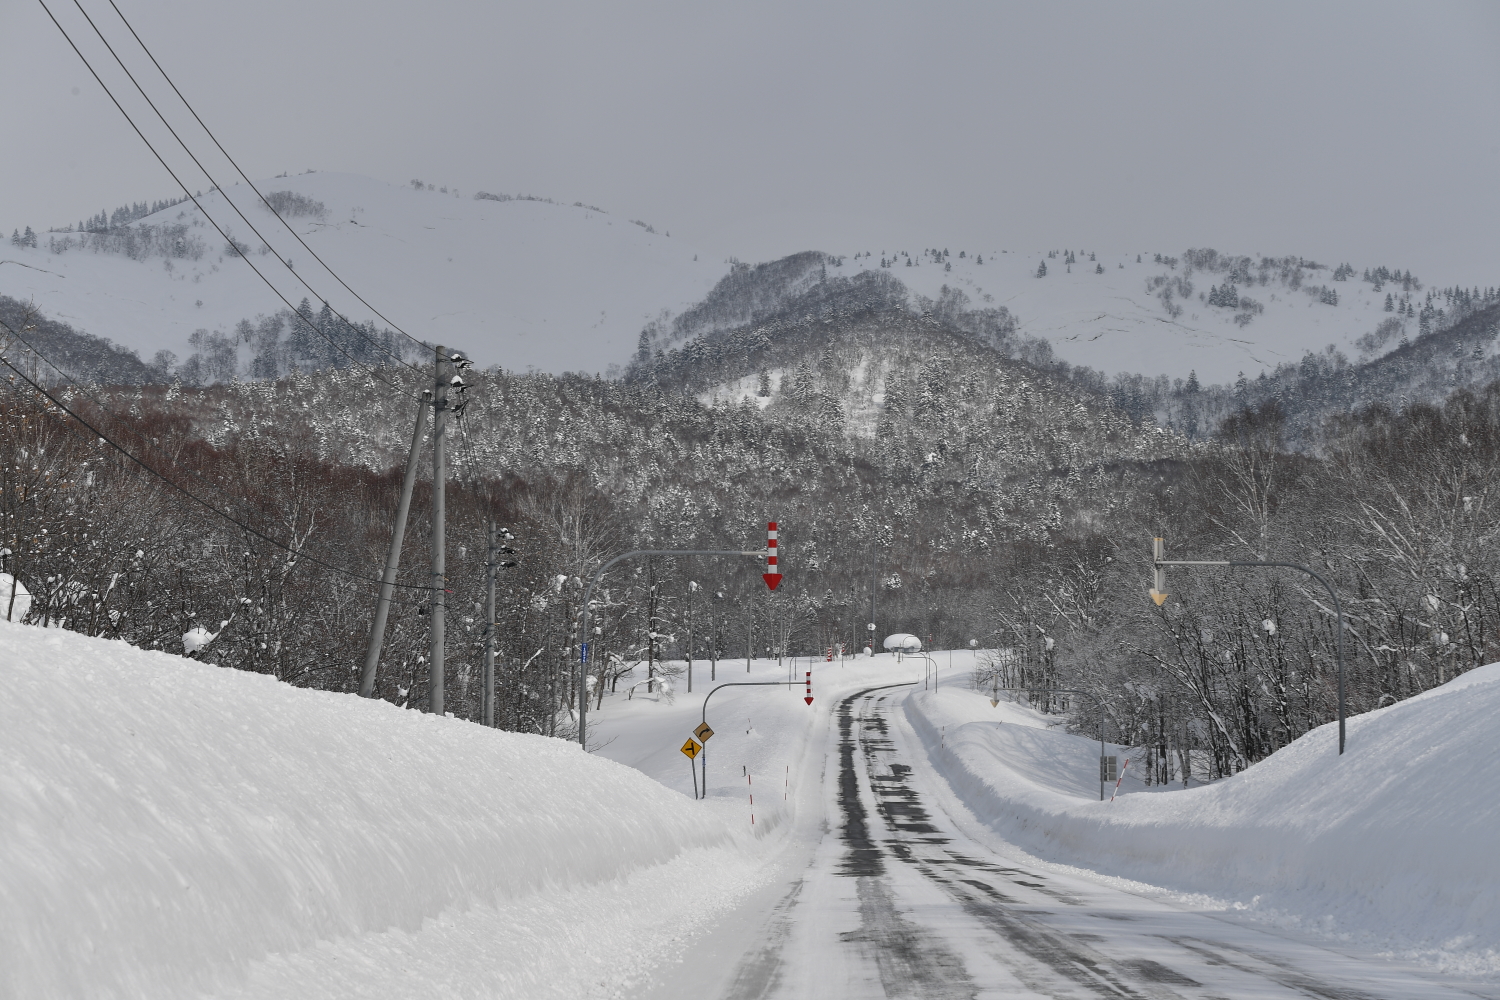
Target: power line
<point>299,554</point>
<point>196,203</point>
<point>152,104</point>
<point>251,183</point>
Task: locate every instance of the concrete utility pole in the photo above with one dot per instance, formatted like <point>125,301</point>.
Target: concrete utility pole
<point>393,554</point>
<point>439,529</point>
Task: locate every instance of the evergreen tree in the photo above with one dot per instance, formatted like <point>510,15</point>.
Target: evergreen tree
<point>1389,305</point>
<point>1098,268</point>
<point>1041,269</point>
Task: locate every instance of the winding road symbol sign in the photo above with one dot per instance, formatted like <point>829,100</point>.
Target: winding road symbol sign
<point>691,748</point>
<point>703,732</point>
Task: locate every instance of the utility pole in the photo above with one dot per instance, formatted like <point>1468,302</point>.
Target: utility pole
<point>393,554</point>
<point>439,529</point>
<point>489,634</point>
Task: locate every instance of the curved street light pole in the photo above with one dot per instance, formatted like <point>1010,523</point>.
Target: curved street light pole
<point>704,719</point>
<point>1159,593</point>
<point>583,662</point>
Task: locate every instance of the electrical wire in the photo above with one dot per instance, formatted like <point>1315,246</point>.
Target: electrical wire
<point>194,198</point>
<point>214,182</point>
<point>297,553</point>
<point>251,183</point>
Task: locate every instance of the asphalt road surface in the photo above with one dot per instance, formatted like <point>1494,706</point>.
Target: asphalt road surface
<point>898,902</point>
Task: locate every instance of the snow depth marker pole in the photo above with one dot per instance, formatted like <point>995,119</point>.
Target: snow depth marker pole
<point>393,554</point>
<point>1119,779</point>
<point>808,699</point>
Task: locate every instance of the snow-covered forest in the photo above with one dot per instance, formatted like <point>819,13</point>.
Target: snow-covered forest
<point>933,458</point>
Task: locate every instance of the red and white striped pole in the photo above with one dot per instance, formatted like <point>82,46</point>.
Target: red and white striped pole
<point>771,576</point>
<point>808,699</point>
<point>1118,780</point>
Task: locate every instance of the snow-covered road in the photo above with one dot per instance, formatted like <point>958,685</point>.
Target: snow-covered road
<point>905,896</point>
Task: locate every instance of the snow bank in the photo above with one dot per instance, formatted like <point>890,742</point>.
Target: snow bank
<point>168,828</point>
<point>1391,844</point>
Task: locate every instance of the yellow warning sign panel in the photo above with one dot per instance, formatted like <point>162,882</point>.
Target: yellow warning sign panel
<point>691,748</point>
<point>703,732</point>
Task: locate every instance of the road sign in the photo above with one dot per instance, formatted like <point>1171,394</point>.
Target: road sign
<point>691,748</point>
<point>1109,768</point>
<point>703,732</point>
<point>583,652</point>
<point>771,577</point>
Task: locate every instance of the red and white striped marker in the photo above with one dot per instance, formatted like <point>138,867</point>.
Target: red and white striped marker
<point>771,577</point>
<point>1118,780</point>
<point>808,699</point>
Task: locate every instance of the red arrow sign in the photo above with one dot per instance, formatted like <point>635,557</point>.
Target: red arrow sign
<point>772,579</point>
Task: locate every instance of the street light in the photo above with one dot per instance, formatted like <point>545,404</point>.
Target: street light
<point>1159,595</point>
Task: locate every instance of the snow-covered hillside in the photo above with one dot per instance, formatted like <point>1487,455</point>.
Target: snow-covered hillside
<point>1116,320</point>
<point>519,283</point>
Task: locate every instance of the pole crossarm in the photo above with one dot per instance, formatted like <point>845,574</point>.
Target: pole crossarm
<point>1338,608</point>
<point>1087,694</point>
<point>583,666</point>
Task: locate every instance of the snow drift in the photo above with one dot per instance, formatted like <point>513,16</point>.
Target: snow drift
<point>168,828</point>
<point>1391,844</point>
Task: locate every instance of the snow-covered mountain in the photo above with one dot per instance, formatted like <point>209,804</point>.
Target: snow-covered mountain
<point>517,282</point>
<point>1148,312</point>
<point>528,283</point>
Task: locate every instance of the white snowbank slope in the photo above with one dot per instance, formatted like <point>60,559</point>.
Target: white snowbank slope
<point>1393,842</point>
<point>170,829</point>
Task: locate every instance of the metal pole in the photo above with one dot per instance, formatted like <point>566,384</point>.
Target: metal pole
<point>439,532</point>
<point>393,556</point>
<point>489,635</point>
<point>704,720</point>
<point>585,636</point>
<point>1338,608</point>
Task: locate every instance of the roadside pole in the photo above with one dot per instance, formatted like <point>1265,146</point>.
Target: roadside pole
<point>704,726</point>
<point>393,553</point>
<point>772,580</point>
<point>439,532</point>
<point>1159,595</point>
<point>489,632</point>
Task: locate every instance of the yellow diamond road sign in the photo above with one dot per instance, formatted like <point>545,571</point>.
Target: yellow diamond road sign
<point>691,748</point>
<point>703,732</point>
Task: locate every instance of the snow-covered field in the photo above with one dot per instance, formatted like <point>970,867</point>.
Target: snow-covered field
<point>520,284</point>
<point>1387,847</point>
<point>171,829</point>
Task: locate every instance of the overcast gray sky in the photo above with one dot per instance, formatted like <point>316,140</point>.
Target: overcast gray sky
<point>1365,131</point>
